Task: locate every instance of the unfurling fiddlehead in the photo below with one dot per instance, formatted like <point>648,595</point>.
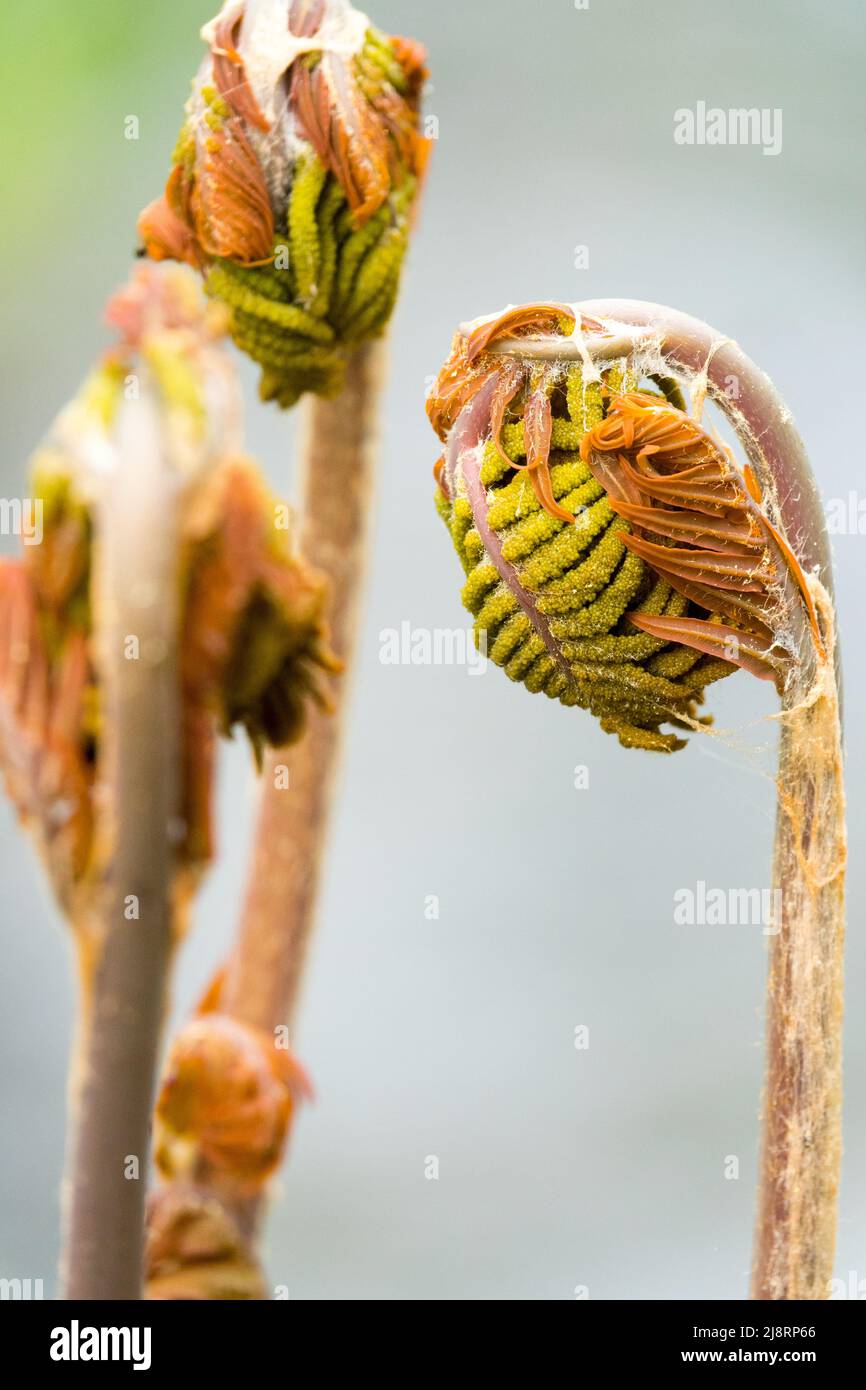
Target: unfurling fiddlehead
<point>293,191</point>
<point>293,183</point>
<point>615,556</point>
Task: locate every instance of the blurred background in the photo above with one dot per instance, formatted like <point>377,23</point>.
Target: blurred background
<point>604,1169</point>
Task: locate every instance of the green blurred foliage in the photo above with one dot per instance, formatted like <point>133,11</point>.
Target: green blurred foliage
<point>73,73</point>
<point>74,184</point>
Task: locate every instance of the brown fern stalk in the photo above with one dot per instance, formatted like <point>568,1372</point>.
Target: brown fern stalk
<point>206,1217</point>
<point>264,977</point>
<point>802,1119</point>
<point>131,928</point>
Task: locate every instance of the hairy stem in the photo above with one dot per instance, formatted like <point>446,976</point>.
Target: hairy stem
<point>796,1227</point>
<point>264,977</point>
<point>125,934</point>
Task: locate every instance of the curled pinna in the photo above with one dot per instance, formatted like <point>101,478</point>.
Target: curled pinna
<point>616,556</point>
<point>293,183</point>
<point>226,1102</point>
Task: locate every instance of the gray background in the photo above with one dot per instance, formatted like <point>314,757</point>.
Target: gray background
<point>454,1038</point>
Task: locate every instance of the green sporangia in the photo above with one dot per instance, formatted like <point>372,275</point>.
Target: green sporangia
<point>579,645</point>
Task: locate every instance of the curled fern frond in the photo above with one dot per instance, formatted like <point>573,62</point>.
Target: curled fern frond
<point>294,181</point>
<point>615,556</point>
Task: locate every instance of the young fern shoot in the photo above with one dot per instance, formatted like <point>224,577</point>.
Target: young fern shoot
<point>293,191</point>
<point>618,558</point>
<point>161,609</point>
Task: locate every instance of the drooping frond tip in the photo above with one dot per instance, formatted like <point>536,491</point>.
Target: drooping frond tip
<point>640,564</point>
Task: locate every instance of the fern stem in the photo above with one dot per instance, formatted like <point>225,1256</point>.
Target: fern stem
<point>802,1109</point>
<point>125,937</point>
<point>265,974</point>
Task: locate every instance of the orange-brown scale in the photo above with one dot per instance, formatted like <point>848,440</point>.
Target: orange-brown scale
<point>667,476</point>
